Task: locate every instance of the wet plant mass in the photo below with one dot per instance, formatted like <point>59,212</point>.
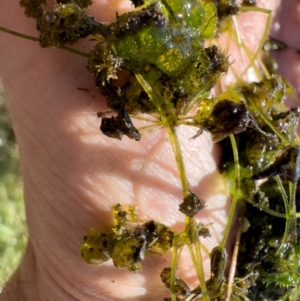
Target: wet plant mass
<point>170,55</point>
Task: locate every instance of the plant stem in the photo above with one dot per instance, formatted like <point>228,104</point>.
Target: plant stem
<point>168,120</point>
<point>34,39</point>
<point>235,192</point>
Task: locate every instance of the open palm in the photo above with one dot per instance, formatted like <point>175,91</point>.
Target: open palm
<point>73,174</point>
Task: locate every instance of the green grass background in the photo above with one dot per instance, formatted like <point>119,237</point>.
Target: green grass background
<point>13,233</point>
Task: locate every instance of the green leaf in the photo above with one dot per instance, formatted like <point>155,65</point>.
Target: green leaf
<point>209,25</point>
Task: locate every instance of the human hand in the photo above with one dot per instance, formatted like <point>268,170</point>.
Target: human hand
<point>73,174</point>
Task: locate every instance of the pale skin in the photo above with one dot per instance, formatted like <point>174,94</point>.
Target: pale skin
<point>73,174</point>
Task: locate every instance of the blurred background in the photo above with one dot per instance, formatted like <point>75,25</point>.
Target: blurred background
<point>13,233</point>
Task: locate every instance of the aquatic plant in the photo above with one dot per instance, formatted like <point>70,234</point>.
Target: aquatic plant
<point>170,54</point>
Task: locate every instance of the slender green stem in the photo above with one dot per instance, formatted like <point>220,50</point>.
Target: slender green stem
<point>264,37</point>
<point>151,126</point>
<point>264,69</point>
<point>236,38</point>
<point>235,191</point>
<point>291,218</point>
<point>292,211</point>
<point>283,193</point>
<point>253,65</point>
<point>288,218</point>
<point>195,251</point>
<point>234,261</point>
<point>20,35</point>
<point>34,39</point>
<point>153,129</point>
<point>179,160</point>
<point>152,119</point>
<point>200,274</point>
<point>168,120</point>
<point>204,249</point>
<point>270,211</point>
<point>75,51</point>
<point>175,257</point>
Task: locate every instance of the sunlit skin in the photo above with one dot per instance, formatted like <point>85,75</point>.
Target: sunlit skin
<point>73,174</point>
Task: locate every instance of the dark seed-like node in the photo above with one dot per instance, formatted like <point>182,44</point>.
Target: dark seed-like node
<point>225,8</point>
<point>203,231</point>
<point>230,118</point>
<point>110,127</point>
<point>191,205</point>
<point>248,3</point>
<point>165,277</point>
<point>151,226</point>
<point>137,3</point>
<point>117,126</point>
<point>218,60</point>
<point>180,288</point>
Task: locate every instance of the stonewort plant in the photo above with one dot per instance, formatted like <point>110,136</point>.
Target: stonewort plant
<point>170,58</point>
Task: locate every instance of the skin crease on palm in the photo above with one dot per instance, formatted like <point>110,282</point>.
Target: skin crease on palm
<point>73,174</point>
